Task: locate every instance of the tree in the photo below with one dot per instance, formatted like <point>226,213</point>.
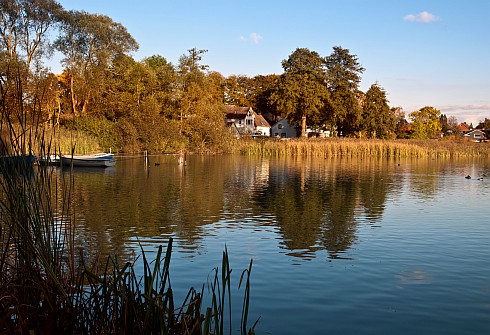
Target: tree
<point>344,75</point>
<point>89,43</point>
<point>485,125</point>
<point>378,119</point>
<point>444,124</point>
<point>402,127</point>
<point>24,28</point>
<point>24,41</point>
<point>237,90</point>
<point>453,125</point>
<point>425,122</point>
<point>164,84</point>
<point>199,102</point>
<point>263,87</point>
<point>301,92</point>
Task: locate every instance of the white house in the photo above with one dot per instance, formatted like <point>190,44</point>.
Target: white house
<point>476,135</point>
<point>245,121</point>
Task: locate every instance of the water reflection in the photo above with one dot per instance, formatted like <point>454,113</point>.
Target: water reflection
<point>315,204</point>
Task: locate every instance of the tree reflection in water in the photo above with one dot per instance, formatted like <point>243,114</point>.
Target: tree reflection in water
<point>316,204</point>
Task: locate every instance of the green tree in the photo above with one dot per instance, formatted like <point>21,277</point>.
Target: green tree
<point>301,93</point>
<point>444,124</point>
<point>89,43</point>
<point>263,87</point>
<point>425,122</point>
<point>378,120</point>
<point>344,75</point>
<point>163,88</point>
<point>200,103</point>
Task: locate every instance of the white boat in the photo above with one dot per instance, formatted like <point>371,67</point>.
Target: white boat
<point>95,160</point>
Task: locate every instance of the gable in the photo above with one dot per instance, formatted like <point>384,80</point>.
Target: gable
<point>236,113</point>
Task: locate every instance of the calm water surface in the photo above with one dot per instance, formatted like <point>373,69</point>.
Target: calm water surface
<point>338,245</point>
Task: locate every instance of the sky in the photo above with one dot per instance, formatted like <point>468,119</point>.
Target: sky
<point>422,53</point>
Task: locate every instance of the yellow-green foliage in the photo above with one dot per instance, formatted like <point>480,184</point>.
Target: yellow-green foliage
<point>65,141</point>
<point>340,147</point>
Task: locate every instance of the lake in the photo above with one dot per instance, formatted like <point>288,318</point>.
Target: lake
<point>345,246</point>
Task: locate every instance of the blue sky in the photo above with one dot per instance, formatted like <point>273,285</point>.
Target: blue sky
<point>423,53</point>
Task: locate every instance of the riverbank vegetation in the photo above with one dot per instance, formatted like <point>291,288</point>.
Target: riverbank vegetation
<point>50,283</point>
<point>345,147</point>
<point>124,105</point>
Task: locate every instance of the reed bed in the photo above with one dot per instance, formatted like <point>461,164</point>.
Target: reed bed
<point>46,285</point>
<point>341,147</point>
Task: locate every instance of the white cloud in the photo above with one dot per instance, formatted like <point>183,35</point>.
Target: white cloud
<point>471,107</point>
<point>255,38</point>
<point>471,113</point>
<point>424,17</point>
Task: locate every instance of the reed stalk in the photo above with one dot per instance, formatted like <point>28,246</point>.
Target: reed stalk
<point>46,287</point>
<point>343,147</point>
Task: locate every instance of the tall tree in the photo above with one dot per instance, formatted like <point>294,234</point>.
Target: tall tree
<point>263,87</point>
<point>453,125</point>
<point>164,84</point>
<point>89,43</point>
<point>344,75</point>
<point>301,93</point>
<point>25,26</point>
<point>425,122</point>
<point>377,118</point>
<point>200,102</point>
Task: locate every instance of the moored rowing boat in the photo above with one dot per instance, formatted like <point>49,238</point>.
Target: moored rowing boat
<point>96,160</point>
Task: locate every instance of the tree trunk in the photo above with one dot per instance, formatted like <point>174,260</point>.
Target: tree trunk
<point>303,126</point>
<point>73,98</point>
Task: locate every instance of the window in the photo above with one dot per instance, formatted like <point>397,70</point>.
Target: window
<point>249,122</point>
<point>280,126</point>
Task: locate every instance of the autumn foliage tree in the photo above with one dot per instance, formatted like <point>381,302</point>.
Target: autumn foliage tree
<point>425,122</point>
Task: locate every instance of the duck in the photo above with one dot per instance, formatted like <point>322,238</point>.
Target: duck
<point>468,177</point>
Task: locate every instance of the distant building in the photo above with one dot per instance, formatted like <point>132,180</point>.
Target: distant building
<point>245,121</point>
<point>284,130</point>
<point>476,135</point>
<point>464,128</point>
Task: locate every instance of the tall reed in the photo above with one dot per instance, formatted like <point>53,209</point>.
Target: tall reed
<point>46,287</point>
<point>344,147</point>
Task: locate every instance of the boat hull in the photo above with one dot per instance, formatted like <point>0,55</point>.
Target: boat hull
<point>98,160</point>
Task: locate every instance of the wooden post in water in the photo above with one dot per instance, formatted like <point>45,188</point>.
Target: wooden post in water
<point>182,158</point>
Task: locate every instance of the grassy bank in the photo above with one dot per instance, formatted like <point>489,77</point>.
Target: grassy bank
<point>341,147</point>
<point>328,147</point>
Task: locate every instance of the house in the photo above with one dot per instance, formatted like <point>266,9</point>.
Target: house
<point>476,135</point>
<point>283,129</point>
<point>464,128</point>
<point>244,120</point>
